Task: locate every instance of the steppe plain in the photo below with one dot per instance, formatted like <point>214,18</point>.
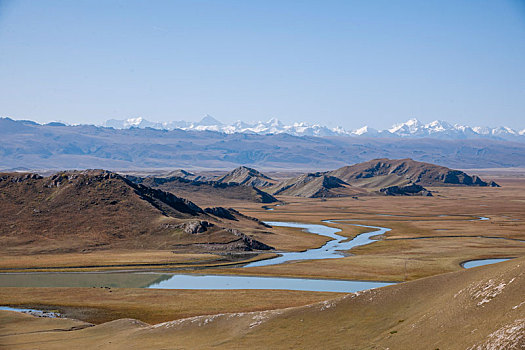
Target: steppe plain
<point>429,239</point>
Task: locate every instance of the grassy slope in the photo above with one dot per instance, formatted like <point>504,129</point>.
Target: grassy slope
<point>430,315</point>
<point>95,210</point>
<point>482,306</point>
<point>98,305</point>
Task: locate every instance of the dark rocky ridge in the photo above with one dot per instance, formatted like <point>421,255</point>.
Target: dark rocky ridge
<point>385,176</point>
<point>421,173</point>
<point>213,189</point>
<point>220,212</point>
<point>408,190</point>
<point>90,210</point>
<point>247,176</point>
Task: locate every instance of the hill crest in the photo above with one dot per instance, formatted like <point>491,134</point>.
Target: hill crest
<point>391,177</point>
<point>421,173</point>
<point>244,175</point>
<point>96,209</point>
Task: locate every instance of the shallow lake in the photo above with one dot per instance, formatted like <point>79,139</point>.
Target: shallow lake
<point>180,281</point>
<point>34,312</point>
<point>481,262</point>
<point>253,282</point>
<point>332,249</point>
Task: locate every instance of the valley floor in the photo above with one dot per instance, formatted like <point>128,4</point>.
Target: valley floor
<point>479,308</point>
<point>443,306</point>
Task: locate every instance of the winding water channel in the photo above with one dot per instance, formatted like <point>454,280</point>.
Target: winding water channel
<point>330,250</point>
<point>334,248</point>
<point>481,262</point>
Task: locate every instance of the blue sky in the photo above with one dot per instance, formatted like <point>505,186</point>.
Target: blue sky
<point>345,63</point>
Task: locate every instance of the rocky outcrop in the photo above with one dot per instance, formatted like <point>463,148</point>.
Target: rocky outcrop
<point>408,190</point>
<point>194,227</point>
<point>220,212</point>
<point>213,189</point>
<point>247,176</point>
<point>19,177</point>
<point>249,242</point>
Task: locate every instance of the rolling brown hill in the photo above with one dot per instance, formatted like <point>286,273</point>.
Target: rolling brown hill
<point>380,172</point>
<point>391,177</point>
<point>206,192</point>
<point>181,173</point>
<point>314,185</point>
<point>247,176</point>
<point>95,209</point>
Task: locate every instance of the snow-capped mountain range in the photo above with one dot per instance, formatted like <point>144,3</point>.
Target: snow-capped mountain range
<point>412,128</point>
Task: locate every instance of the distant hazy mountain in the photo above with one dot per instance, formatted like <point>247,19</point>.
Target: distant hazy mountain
<point>411,128</point>
<point>27,145</point>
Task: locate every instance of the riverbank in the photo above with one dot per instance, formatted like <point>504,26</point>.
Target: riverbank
<point>99,305</point>
<point>437,312</point>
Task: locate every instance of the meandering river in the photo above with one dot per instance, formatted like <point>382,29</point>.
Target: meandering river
<point>334,248</point>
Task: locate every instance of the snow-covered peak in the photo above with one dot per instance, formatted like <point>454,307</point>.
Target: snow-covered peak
<point>365,130</point>
<point>438,125</point>
<point>409,129</point>
<point>411,126</point>
<point>503,130</point>
<point>482,130</point>
<point>275,122</point>
<point>208,120</point>
<point>134,121</point>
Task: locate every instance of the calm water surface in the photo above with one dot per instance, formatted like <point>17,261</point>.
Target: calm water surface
<point>253,282</point>
<point>332,249</point>
<point>481,262</point>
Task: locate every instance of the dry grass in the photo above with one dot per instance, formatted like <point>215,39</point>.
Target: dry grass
<point>429,236</point>
<point>98,305</point>
<point>477,307</point>
<point>443,222</point>
<point>116,261</point>
<point>103,258</point>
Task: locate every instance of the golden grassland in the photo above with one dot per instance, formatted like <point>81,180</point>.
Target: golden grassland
<point>443,224</point>
<point>430,236</point>
<point>481,308</point>
<point>113,260</point>
<point>98,305</point>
